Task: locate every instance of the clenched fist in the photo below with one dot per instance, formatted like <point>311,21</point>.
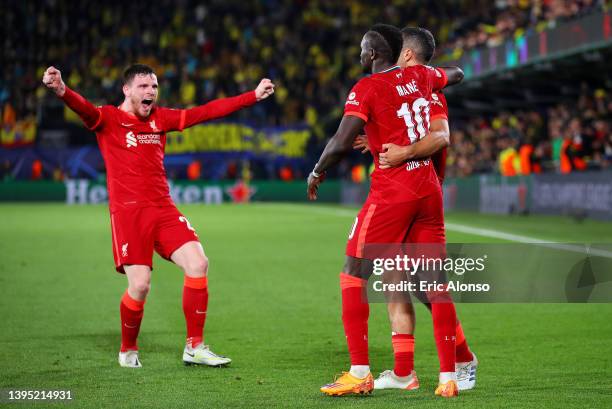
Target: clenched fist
<point>52,78</point>
<point>264,89</point>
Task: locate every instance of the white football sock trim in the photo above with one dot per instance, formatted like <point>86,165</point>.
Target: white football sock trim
<point>447,376</point>
<point>360,371</point>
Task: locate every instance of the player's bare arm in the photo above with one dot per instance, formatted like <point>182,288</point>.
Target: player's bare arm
<point>438,138</point>
<point>336,149</point>
<point>454,75</point>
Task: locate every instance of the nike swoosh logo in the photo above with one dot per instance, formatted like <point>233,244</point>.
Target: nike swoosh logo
<point>200,312</point>
<point>191,355</point>
<point>126,124</point>
<point>129,326</point>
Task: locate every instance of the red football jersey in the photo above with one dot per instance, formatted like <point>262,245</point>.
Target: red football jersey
<point>395,106</point>
<point>133,148</point>
<point>133,152</point>
<point>439,110</point>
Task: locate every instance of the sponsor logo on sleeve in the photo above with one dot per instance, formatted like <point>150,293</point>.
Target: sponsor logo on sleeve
<point>436,100</point>
<point>351,99</point>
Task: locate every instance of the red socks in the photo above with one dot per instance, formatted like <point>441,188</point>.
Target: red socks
<point>131,316</point>
<point>463,353</point>
<point>355,313</point>
<point>445,324</point>
<point>195,304</point>
<point>403,351</point>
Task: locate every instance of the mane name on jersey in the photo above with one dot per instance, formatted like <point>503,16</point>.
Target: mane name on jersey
<point>407,89</point>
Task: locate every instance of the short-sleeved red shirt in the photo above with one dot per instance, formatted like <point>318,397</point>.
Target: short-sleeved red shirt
<point>395,104</point>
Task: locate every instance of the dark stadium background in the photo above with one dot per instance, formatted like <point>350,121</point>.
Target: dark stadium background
<point>558,103</point>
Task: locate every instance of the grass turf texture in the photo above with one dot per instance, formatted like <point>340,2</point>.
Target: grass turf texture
<point>275,309</point>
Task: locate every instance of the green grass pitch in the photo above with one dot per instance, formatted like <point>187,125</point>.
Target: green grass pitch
<point>275,309</point>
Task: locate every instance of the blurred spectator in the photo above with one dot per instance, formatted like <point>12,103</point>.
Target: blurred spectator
<point>37,170</point>
<point>358,173</point>
<point>194,170</point>
<point>286,173</point>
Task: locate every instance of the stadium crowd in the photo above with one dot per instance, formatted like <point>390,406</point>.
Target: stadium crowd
<point>483,26</point>
<point>564,138</point>
<point>310,48</point>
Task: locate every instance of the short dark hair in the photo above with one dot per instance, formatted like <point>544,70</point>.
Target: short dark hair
<point>421,41</point>
<point>134,70</point>
<point>392,44</point>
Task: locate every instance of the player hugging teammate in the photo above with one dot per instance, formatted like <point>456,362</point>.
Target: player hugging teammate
<point>405,120</point>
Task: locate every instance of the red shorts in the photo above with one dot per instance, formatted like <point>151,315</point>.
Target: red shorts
<point>418,221</point>
<point>139,231</point>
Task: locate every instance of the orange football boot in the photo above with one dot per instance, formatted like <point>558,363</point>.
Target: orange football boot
<point>448,389</point>
<point>347,384</point>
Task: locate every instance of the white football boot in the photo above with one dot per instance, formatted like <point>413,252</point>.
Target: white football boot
<point>466,373</point>
<point>388,380</point>
<point>202,355</point>
<point>129,359</point>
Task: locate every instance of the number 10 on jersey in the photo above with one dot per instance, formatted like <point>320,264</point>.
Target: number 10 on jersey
<point>420,112</point>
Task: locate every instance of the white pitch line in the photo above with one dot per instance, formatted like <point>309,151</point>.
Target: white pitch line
<point>478,231</point>
<point>586,249</point>
<point>461,228</point>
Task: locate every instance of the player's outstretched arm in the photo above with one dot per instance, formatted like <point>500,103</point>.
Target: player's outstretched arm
<point>225,106</point>
<point>438,138</point>
<point>336,149</point>
<point>454,75</point>
<point>89,114</point>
